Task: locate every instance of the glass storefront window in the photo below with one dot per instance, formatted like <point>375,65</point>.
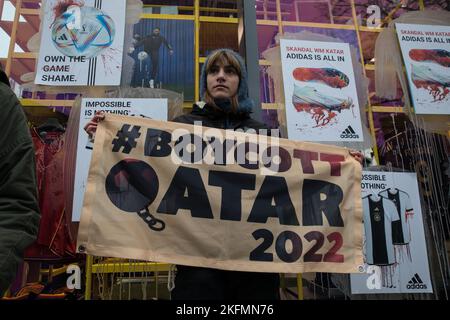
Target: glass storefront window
<point>266,10</point>
<point>218,8</point>
<point>266,37</point>
<point>388,9</point>
<point>335,19</point>
<point>177,7</point>
<point>316,11</point>
<point>215,35</point>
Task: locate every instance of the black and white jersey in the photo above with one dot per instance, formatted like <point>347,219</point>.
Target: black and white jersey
<point>379,213</point>
<point>400,229</point>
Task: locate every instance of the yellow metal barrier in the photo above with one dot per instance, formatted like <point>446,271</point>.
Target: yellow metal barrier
<point>114,265</point>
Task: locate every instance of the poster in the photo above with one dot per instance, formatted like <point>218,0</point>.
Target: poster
<point>426,55</point>
<point>81,43</point>
<point>168,192</point>
<point>149,108</point>
<point>320,92</point>
<point>163,51</point>
<point>395,253</point>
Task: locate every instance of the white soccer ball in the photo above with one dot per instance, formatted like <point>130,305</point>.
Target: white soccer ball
<point>90,36</point>
<point>142,55</point>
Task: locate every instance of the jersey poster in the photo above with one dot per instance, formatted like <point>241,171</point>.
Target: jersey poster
<point>426,54</point>
<point>320,91</point>
<point>395,253</point>
<point>146,108</point>
<point>81,43</point>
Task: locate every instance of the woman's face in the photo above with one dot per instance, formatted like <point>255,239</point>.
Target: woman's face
<point>222,81</point>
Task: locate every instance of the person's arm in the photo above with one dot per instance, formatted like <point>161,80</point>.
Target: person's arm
<point>19,207</point>
<point>357,155</point>
<point>167,45</point>
<point>134,44</point>
<point>91,126</point>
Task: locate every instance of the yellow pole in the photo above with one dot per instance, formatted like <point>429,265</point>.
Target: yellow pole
<point>280,21</point>
<point>300,286</point>
<point>280,31</point>
<point>89,261</point>
<point>391,14</point>
<point>371,123</point>
<point>421,5</point>
<point>197,49</point>
<point>12,42</point>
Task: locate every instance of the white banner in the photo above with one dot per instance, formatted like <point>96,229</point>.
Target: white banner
<point>81,43</point>
<point>395,253</point>
<point>146,108</point>
<point>426,54</point>
<point>320,91</point>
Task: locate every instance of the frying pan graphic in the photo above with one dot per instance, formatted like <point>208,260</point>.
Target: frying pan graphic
<point>132,185</point>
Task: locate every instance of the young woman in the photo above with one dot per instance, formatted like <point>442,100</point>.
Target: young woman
<point>225,105</point>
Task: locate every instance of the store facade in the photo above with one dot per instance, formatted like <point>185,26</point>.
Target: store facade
<point>329,72</point>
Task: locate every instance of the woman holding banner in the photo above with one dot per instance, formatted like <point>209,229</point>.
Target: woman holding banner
<point>225,105</point>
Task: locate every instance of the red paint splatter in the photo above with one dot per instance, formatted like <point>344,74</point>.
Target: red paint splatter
<point>110,61</point>
<point>438,91</point>
<point>62,6</point>
<point>322,116</point>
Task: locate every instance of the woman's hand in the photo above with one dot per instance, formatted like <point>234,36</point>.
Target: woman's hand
<point>91,126</point>
<point>357,155</point>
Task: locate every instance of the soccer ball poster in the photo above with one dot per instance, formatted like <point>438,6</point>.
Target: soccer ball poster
<point>81,43</point>
<point>426,54</point>
<point>320,91</point>
<point>395,252</point>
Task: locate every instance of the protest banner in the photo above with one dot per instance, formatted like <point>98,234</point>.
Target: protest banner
<point>199,196</point>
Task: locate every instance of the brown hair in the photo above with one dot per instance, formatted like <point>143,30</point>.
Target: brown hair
<point>222,58</point>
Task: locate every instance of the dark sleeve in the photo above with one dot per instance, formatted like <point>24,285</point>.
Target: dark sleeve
<point>183,119</point>
<point>166,43</point>
<point>19,208</point>
<point>262,128</point>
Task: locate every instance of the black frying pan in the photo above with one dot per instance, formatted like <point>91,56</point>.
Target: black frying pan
<point>132,185</point>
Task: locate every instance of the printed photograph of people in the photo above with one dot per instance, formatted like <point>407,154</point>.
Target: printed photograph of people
<point>164,55</point>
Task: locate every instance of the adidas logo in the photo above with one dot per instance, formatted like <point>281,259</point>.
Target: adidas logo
<point>63,37</point>
<point>349,133</point>
<point>416,283</point>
